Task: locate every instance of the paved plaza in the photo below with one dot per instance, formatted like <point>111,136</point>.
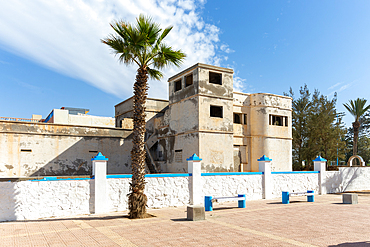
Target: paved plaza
<point>325,222</point>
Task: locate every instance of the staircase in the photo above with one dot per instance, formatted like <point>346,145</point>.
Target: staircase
<point>149,159</point>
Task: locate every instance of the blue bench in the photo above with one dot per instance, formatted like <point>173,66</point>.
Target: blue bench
<point>310,195</point>
<point>209,200</point>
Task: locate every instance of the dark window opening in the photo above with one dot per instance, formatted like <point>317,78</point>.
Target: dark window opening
<point>286,121</point>
<point>178,156</point>
<point>26,150</point>
<point>188,80</point>
<point>177,85</point>
<point>237,118</point>
<point>276,120</point>
<point>216,111</point>
<point>215,78</point>
<point>245,119</point>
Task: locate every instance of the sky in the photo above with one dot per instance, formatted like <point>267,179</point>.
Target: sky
<point>51,55</point>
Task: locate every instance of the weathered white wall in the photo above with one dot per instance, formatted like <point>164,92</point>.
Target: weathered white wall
<point>39,149</point>
<point>294,182</point>
<point>347,179</point>
<point>250,185</point>
<point>28,200</point>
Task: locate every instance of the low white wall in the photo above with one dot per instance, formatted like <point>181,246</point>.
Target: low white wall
<point>347,179</point>
<point>29,200</point>
<point>291,182</point>
<point>250,185</point>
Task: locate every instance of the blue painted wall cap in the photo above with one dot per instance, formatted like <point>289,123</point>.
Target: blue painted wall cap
<point>264,158</point>
<point>319,158</point>
<point>99,156</point>
<point>194,157</point>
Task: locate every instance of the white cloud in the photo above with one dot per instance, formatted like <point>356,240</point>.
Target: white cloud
<point>225,48</point>
<point>239,84</point>
<point>65,36</point>
<point>335,85</point>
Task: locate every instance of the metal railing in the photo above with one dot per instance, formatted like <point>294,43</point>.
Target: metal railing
<point>20,119</point>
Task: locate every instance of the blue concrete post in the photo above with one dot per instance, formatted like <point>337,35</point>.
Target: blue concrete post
<point>242,203</point>
<point>195,180</point>
<point>99,163</point>
<point>264,165</point>
<point>320,165</point>
<point>285,197</point>
<point>208,203</point>
<point>311,198</point>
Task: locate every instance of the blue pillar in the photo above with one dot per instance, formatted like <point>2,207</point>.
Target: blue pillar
<point>285,197</point>
<point>242,203</point>
<point>208,203</point>
<point>311,198</point>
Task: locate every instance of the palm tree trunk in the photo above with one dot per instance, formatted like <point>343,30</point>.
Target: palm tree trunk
<point>137,199</point>
<point>356,127</point>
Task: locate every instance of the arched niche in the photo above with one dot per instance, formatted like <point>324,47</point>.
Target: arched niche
<point>350,161</point>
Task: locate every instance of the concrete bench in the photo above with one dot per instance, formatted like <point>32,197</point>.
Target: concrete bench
<point>209,200</point>
<point>287,194</point>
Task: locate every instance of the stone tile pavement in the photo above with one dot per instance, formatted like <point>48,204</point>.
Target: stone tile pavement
<point>326,222</point>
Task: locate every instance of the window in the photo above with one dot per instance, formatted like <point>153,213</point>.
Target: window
<point>237,118</point>
<point>178,156</point>
<point>177,85</point>
<point>278,120</point>
<point>215,78</point>
<point>245,118</point>
<point>188,80</point>
<point>216,111</point>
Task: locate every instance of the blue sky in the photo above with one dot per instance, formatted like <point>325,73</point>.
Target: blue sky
<point>51,55</point>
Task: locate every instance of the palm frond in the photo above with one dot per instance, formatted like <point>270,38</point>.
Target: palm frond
<point>357,107</point>
<point>155,74</point>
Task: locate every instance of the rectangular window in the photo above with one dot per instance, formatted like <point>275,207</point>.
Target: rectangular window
<point>26,150</point>
<point>216,111</point>
<point>188,80</point>
<point>215,78</point>
<point>178,156</point>
<point>245,119</point>
<point>237,118</point>
<point>277,120</point>
<point>286,121</point>
<point>177,85</point>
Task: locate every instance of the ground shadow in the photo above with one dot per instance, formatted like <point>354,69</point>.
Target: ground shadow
<point>87,218</point>
<point>367,243</point>
<point>179,220</point>
<point>224,208</point>
<point>290,202</point>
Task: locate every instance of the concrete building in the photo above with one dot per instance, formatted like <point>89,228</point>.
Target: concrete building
<point>79,117</point>
<point>203,115</point>
<point>228,130</point>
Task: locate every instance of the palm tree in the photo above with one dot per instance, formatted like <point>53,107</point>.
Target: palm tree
<point>357,109</point>
<point>141,44</point>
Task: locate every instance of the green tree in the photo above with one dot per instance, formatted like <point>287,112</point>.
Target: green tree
<point>363,145</point>
<point>317,128</point>
<point>143,45</point>
<point>357,109</point>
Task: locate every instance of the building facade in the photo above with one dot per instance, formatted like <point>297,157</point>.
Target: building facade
<point>228,130</point>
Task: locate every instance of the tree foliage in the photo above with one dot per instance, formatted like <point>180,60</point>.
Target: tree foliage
<point>357,109</point>
<point>363,145</point>
<point>317,128</point>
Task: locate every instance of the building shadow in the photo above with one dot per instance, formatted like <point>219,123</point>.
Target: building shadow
<point>353,244</point>
<point>9,201</point>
